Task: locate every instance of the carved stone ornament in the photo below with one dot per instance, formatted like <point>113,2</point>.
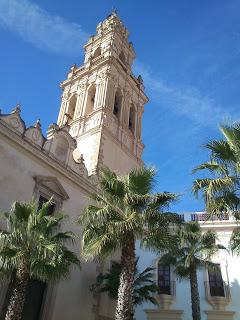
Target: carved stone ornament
<point>52,184</point>
<point>82,86</point>
<point>34,134</point>
<point>17,108</point>
<point>94,179</point>
<point>102,76</point>
<point>14,120</point>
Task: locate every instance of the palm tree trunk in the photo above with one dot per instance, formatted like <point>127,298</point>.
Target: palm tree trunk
<point>124,309</point>
<point>132,312</point>
<point>196,313</point>
<point>15,308</point>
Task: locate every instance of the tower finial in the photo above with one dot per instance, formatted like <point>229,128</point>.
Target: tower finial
<point>17,108</point>
<point>37,124</point>
<point>114,11</point>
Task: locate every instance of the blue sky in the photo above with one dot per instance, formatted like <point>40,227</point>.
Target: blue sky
<point>188,53</point>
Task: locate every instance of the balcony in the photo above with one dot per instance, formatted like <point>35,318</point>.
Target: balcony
<point>97,59</point>
<point>166,295</point>
<point>218,297</point>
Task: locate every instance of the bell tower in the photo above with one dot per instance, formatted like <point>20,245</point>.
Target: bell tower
<point>103,102</point>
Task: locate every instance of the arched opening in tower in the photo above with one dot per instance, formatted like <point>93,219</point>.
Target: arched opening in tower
<point>132,118</point>
<point>90,100</point>
<point>97,53</point>
<point>117,104</point>
<point>71,108</point>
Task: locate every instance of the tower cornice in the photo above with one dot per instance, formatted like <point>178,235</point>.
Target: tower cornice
<point>82,72</point>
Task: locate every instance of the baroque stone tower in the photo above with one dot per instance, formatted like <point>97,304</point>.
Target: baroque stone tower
<point>103,102</point>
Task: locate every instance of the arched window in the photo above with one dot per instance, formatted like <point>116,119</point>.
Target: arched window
<point>122,57</point>
<point>90,100</point>
<point>97,53</point>
<point>164,279</point>
<point>132,118</point>
<point>117,104</point>
<point>71,108</point>
<point>216,285</point>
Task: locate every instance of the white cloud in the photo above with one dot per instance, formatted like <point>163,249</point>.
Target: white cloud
<point>188,102</point>
<point>41,29</point>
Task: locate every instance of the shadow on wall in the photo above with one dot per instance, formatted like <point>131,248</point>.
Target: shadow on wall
<point>235,298</point>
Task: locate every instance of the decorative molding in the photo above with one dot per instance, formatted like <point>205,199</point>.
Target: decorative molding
<point>14,121</point>
<point>220,315</point>
<point>52,185</point>
<point>85,183</point>
<point>157,314</point>
<point>35,136</point>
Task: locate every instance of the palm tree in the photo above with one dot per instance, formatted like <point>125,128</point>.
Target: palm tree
<point>144,287</point>
<point>234,242</point>
<point>221,191</point>
<point>191,251</point>
<point>124,210</point>
<point>33,248</point>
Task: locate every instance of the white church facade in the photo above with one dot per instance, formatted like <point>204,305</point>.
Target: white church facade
<point>99,124</point>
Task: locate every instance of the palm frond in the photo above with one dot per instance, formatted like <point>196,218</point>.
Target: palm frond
<point>140,181</point>
<point>232,135</point>
<point>32,240</point>
<point>144,285</point>
<point>211,166</point>
<point>124,204</point>
<point>210,187</point>
<point>220,191</point>
<point>234,243</point>
<point>190,249</point>
<point>221,151</point>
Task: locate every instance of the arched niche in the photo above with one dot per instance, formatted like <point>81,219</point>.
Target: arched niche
<point>91,94</point>
<point>71,108</point>
<point>62,148</point>
<point>132,118</point>
<point>97,53</point>
<point>117,104</point>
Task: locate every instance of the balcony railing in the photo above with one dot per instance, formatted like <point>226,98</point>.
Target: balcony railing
<point>208,217</point>
<point>181,217</point>
<point>98,58</point>
<point>168,289</point>
<point>166,295</point>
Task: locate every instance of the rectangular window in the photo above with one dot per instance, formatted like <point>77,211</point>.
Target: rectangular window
<point>43,200</point>
<point>164,279</point>
<point>216,282</point>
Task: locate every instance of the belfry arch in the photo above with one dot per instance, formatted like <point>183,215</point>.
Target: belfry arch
<point>71,108</point>
<point>97,53</point>
<point>91,95</point>
<point>132,118</point>
<point>117,106</point>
